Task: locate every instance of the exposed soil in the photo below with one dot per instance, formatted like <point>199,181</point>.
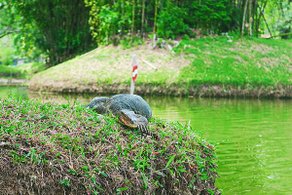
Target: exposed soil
<point>12,82</point>
<point>174,90</point>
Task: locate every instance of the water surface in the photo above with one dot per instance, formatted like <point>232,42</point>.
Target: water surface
<point>253,138</point>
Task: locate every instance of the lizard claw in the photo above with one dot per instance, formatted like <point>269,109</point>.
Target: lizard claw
<point>144,130</point>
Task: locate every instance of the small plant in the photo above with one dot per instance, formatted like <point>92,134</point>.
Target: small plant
<point>128,42</point>
<point>65,182</point>
<point>18,158</point>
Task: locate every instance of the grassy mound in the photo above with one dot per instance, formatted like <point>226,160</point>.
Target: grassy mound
<point>110,65</point>
<point>213,66</point>
<point>56,149</point>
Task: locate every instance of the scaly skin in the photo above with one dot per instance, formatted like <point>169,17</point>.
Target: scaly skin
<point>132,110</point>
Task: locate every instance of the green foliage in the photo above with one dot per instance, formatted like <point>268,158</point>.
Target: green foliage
<point>107,23</point>
<point>167,18</point>
<point>128,42</point>
<point>25,34</point>
<point>27,41</point>
<point>8,18</point>
<point>65,182</point>
<point>111,20</point>
<point>56,29</point>
<point>210,15</point>
<point>285,24</point>
<point>11,72</point>
<point>59,29</point>
<point>279,19</point>
<point>171,21</point>
<point>6,56</point>
<point>7,52</point>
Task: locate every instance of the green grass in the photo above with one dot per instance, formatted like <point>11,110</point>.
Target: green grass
<point>252,62</point>
<point>31,68</point>
<point>22,71</point>
<point>79,151</point>
<point>8,54</point>
<point>247,63</point>
<point>111,65</point>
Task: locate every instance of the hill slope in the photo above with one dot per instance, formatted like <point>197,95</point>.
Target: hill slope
<point>110,66</point>
<point>204,67</point>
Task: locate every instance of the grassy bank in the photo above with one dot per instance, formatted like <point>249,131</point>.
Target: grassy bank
<point>66,148</point>
<point>8,56</point>
<point>254,62</point>
<point>11,72</point>
<point>24,71</point>
<point>12,76</point>
<point>201,67</point>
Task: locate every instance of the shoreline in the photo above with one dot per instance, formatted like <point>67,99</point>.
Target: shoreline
<point>202,90</point>
<point>195,68</point>
<point>13,82</point>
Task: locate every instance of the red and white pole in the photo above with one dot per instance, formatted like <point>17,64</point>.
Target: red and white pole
<point>134,74</point>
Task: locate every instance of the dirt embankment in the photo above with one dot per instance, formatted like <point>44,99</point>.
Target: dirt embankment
<point>12,82</point>
<point>175,90</point>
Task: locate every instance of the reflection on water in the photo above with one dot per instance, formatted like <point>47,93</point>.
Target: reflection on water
<point>253,138</point>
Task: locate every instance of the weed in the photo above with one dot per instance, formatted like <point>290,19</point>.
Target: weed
<point>65,182</point>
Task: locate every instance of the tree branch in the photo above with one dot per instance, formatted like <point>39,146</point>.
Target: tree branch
<point>6,33</point>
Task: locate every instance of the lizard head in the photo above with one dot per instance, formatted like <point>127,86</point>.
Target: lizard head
<point>133,120</point>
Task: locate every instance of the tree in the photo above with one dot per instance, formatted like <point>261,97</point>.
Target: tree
<point>24,34</point>
<point>58,28</point>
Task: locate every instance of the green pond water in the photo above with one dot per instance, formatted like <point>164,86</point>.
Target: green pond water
<point>253,138</point>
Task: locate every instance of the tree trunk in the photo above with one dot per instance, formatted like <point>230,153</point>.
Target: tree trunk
<point>250,18</point>
<point>259,15</point>
<point>133,18</point>
<point>121,11</point>
<point>255,15</point>
<point>244,17</point>
<point>143,18</point>
<point>267,24</point>
<point>155,16</point>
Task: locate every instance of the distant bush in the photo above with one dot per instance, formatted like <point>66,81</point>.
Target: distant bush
<point>171,22</point>
<point>7,71</point>
<point>128,42</point>
<point>37,67</point>
<point>6,56</point>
